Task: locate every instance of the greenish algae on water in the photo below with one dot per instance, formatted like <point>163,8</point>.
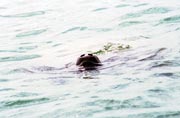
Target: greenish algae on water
<point>111,47</point>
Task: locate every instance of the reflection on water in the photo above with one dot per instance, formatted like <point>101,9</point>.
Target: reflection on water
<point>41,40</point>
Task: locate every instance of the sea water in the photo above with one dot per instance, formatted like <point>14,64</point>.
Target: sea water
<point>41,40</point>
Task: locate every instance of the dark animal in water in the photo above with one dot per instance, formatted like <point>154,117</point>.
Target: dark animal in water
<point>88,62</point>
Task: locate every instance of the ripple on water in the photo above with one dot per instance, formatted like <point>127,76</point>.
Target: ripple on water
<point>120,86</point>
<point>155,54</point>
<point>25,94</point>
<point>20,70</point>
<point>167,74</point>
<point>160,114</point>
<point>46,68</point>
<point>18,58</point>
<point>99,9</point>
<point>21,49</point>
<point>57,44</point>
<point>6,89</point>
<point>121,5</point>
<point>139,5</point>
<point>29,14</point>
<point>110,104</point>
<point>16,51</point>
<point>174,114</point>
<point>101,29</point>
<point>86,28</point>
<point>166,63</point>
<point>130,23</point>
<point>4,80</point>
<point>26,48</point>
<point>161,93</point>
<point>23,102</point>
<point>74,29</point>
<point>31,33</point>
<point>155,10</point>
<point>172,19</point>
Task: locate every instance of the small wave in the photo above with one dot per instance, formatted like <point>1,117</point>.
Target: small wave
<point>60,80</point>
<point>152,56</point>
<point>167,74</point>
<point>16,51</point>
<point>110,104</point>
<point>166,63</point>
<point>155,114</point>
<point>26,48</point>
<point>121,5</point>
<point>58,44</point>
<point>20,70</point>
<point>130,23</point>
<point>30,14</point>
<point>18,58</point>
<point>6,89</point>
<point>20,49</point>
<point>100,9</point>
<point>155,10</point>
<point>101,29</point>
<point>31,33</point>
<point>139,5</point>
<point>4,80</point>
<point>25,94</point>
<point>177,29</point>
<point>172,19</point>
<point>131,15</point>
<point>162,93</point>
<point>26,43</point>
<point>46,68</point>
<point>21,103</point>
<point>74,29</point>
<point>120,86</point>
<point>175,114</point>
<point>86,28</point>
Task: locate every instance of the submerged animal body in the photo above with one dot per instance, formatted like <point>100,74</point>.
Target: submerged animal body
<point>88,62</point>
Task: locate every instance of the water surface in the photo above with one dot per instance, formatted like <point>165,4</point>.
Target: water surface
<point>41,40</point>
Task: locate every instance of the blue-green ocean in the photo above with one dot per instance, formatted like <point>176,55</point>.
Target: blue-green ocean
<point>40,41</point>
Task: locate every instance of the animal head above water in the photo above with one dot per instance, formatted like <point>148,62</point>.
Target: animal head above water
<point>89,61</point>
